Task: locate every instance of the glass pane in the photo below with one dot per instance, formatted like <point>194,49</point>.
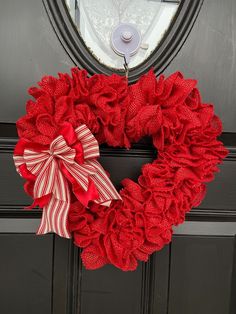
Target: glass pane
<point>95,21</point>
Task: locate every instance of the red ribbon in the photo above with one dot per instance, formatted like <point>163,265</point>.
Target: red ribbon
<point>71,157</point>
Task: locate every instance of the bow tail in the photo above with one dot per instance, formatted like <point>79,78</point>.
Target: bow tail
<point>83,187</point>
<point>106,190</point>
<point>54,218</point>
<point>55,213</point>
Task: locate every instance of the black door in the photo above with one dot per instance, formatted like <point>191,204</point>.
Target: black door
<point>196,273</point>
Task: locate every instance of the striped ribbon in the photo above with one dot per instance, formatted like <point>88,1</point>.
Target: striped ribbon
<point>47,166</point>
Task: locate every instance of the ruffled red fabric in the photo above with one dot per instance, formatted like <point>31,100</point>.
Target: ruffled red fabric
<point>184,132</point>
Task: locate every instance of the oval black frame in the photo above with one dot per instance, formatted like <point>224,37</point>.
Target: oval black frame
<point>159,59</point>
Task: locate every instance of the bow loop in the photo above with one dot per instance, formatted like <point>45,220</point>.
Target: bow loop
<point>35,161</point>
<point>88,141</point>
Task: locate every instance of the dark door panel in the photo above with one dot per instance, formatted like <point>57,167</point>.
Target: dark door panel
<point>29,49</point>
<point>201,274</point>
<point>26,273</point>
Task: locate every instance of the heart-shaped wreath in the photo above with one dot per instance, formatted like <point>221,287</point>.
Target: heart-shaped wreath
<point>58,149</point>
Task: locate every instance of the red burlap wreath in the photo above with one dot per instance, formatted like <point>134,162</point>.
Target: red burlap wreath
<point>184,132</point>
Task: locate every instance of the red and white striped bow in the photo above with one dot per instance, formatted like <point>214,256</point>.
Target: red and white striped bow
<point>62,163</point>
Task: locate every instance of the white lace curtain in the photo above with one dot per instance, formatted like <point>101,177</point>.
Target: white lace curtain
<point>95,21</point>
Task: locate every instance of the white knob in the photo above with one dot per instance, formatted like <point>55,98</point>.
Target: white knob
<point>126,36</point>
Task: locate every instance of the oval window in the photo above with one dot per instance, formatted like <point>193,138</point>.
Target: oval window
<point>86,29</point>
<point>96,21</point>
